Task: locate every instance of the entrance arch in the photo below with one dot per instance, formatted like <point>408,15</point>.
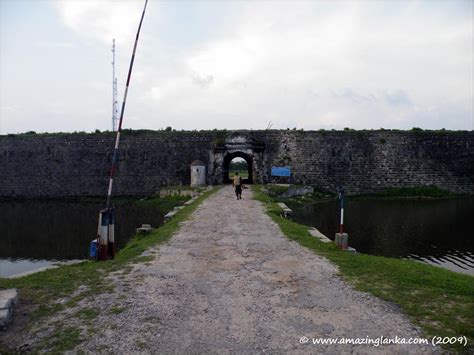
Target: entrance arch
<point>238,144</point>
<point>226,164</point>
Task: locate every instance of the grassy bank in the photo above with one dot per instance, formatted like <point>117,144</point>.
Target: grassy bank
<point>164,204</point>
<point>39,293</point>
<point>276,192</point>
<point>417,192</point>
<point>411,192</point>
<point>441,302</point>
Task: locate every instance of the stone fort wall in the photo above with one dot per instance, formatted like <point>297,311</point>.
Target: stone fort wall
<point>66,165</point>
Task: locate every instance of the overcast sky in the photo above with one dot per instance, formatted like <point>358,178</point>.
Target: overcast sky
<point>204,65</point>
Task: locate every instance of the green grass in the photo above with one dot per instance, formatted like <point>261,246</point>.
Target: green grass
<point>88,313</point>
<point>221,134</point>
<point>243,173</point>
<point>275,191</point>
<point>117,310</point>
<point>416,192</point>
<point>42,289</point>
<point>183,188</point>
<point>138,244</point>
<point>62,341</point>
<point>441,302</point>
<point>164,204</point>
<point>399,192</point>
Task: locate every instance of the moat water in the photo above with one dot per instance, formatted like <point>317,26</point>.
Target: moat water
<point>37,234</point>
<point>434,231</point>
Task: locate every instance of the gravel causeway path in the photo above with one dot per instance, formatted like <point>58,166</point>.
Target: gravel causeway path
<point>230,281</point>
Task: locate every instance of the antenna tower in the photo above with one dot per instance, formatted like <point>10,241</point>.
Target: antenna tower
<point>114,92</point>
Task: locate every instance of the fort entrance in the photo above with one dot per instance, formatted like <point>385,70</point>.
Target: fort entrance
<point>67,165</point>
<point>237,145</point>
<point>238,162</point>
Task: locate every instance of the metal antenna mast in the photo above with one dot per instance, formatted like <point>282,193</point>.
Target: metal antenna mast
<point>114,91</point>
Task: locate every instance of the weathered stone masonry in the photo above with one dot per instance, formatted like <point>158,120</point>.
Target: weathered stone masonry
<point>64,165</point>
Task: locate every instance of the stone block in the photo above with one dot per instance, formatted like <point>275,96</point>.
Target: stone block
<point>286,211</point>
<point>317,234</point>
<point>5,317</point>
<point>342,240</point>
<point>8,299</point>
<point>144,229</point>
<point>170,214</point>
<point>5,303</point>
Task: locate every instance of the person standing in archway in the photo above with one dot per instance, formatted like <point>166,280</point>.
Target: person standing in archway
<point>237,184</point>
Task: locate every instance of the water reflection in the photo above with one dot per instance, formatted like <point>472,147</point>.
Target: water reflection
<point>33,234</point>
<point>433,231</point>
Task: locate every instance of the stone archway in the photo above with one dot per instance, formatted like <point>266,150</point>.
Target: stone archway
<point>225,166</point>
<point>236,144</point>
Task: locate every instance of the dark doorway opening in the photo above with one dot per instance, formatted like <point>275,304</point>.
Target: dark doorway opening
<point>241,162</point>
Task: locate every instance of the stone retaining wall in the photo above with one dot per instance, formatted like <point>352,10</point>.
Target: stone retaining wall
<point>65,165</point>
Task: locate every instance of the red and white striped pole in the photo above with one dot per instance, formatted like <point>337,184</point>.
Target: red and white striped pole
<point>341,239</point>
<point>119,129</point>
<point>341,198</point>
<point>110,213</point>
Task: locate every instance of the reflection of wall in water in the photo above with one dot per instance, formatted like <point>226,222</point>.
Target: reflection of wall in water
<point>61,230</point>
<point>397,228</point>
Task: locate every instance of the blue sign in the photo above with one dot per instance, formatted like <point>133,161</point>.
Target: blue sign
<point>281,171</point>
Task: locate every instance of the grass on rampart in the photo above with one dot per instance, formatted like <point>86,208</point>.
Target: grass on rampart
<point>41,290</point>
<point>441,302</point>
<point>222,133</point>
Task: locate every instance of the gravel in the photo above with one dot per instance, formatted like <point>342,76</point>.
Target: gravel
<point>230,281</point>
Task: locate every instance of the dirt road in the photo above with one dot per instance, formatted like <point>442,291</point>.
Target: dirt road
<point>230,281</point>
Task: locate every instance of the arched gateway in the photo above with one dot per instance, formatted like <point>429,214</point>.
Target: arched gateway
<point>226,166</point>
<point>237,145</point>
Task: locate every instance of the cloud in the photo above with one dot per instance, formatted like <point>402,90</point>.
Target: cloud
<point>54,45</point>
<point>317,64</point>
<point>225,60</point>
<point>398,98</point>
<point>305,64</point>
<point>102,20</point>
<point>202,81</point>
